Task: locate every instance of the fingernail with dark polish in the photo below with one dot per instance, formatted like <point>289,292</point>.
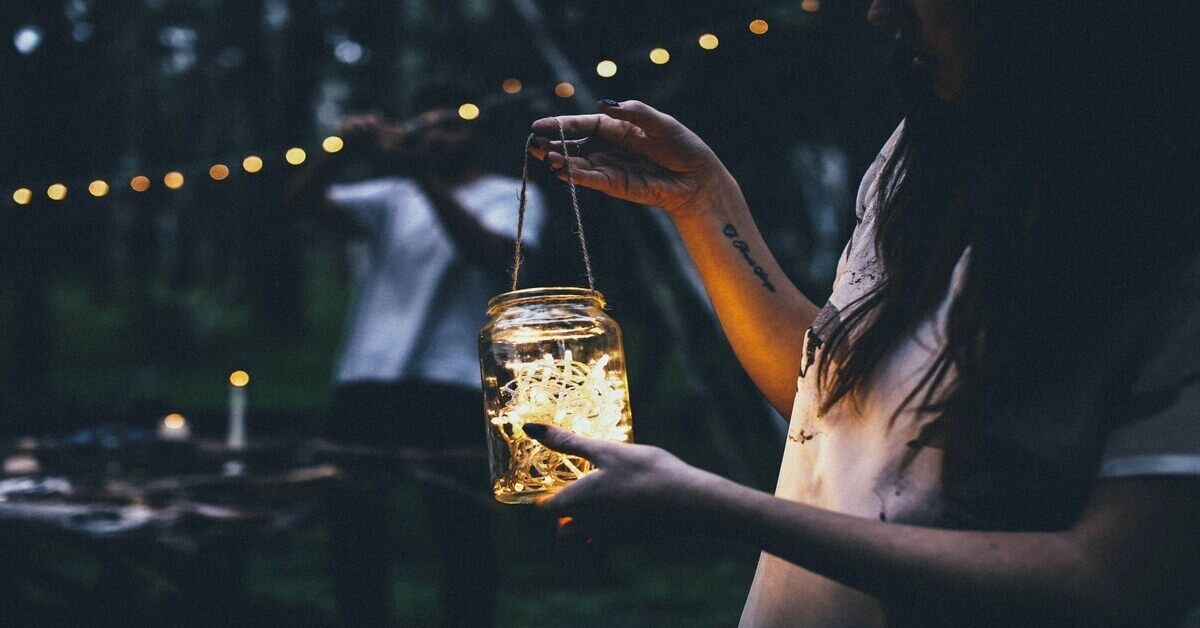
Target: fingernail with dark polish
<point>535,430</point>
<point>609,102</point>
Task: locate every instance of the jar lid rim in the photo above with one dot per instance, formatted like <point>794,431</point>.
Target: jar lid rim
<point>513,296</point>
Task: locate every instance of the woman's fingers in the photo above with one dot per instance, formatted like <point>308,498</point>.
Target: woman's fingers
<point>576,499</point>
<point>568,442</point>
<point>583,171</point>
<point>652,121</point>
<point>574,127</point>
<point>541,146</point>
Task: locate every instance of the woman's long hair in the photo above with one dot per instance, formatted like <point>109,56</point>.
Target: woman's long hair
<point>1064,167</point>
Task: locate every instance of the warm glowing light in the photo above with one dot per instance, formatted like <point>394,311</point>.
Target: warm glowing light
<point>295,156</point>
<point>22,196</point>
<point>758,27</point>
<point>332,144</point>
<point>584,397</point>
<point>174,421</point>
<point>810,5</point>
<point>140,183</point>
<point>660,56</point>
<point>239,378</point>
<point>173,180</point>
<point>564,90</point>
<point>468,111</point>
<point>57,192</point>
<point>511,86</point>
<point>218,172</point>
<point>98,188</point>
<point>708,41</point>
<point>252,163</point>
<point>606,68</point>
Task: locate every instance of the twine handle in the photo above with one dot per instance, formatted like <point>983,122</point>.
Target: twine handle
<point>587,260</point>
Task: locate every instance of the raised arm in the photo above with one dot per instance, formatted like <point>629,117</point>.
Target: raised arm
<point>635,153</point>
<point>479,245</point>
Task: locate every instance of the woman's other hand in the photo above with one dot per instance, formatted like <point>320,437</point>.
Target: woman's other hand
<point>633,152</point>
<point>635,488</point>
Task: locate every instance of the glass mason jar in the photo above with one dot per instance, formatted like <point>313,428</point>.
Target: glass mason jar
<point>549,355</point>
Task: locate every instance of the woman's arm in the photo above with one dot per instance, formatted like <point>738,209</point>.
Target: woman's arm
<point>633,152</point>
<point>1134,556</point>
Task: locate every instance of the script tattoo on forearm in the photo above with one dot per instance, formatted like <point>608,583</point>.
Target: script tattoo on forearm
<point>731,232</point>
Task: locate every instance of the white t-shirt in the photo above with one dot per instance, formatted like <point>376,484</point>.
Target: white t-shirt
<point>858,460</point>
<point>849,461</point>
<point>419,305</point>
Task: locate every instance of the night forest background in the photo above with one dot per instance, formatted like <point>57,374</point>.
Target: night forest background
<point>120,309</point>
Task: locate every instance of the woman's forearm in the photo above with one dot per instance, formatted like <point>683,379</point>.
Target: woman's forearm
<point>1099,569</point>
<point>763,314</point>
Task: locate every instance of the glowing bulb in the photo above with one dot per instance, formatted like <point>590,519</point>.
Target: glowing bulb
<point>98,188</point>
<point>332,144</point>
<point>174,421</point>
<point>22,196</point>
<point>57,192</point>
<point>511,86</point>
<point>173,180</point>
<point>811,5</point>
<point>606,68</point>
<point>708,41</point>
<point>468,111</point>
<point>239,378</point>
<point>218,172</point>
<point>660,56</point>
<point>564,90</point>
<point>252,163</point>
<point>758,27</point>
<point>140,183</point>
<point>295,156</point>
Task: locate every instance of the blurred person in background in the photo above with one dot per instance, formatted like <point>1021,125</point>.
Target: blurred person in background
<point>439,234</point>
<point>995,419</point>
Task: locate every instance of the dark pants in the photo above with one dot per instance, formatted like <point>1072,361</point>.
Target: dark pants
<point>430,417</point>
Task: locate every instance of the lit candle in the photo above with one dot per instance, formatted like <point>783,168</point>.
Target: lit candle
<point>174,427</point>
<point>237,409</point>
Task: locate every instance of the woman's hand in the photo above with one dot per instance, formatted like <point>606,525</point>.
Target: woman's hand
<point>633,152</point>
<point>635,487</point>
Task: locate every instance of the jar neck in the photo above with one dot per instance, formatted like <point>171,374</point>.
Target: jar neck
<point>558,295</point>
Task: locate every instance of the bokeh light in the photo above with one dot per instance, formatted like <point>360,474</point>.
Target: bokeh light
<point>174,421</point>
<point>252,163</point>
<point>758,27</point>
<point>140,183</point>
<point>708,41</point>
<point>218,172</point>
<point>468,111</point>
<point>56,191</point>
<point>660,56</point>
<point>332,144</point>
<point>295,155</point>
<point>811,5</point>
<point>173,180</point>
<point>27,39</point>
<point>22,196</point>
<point>606,68</point>
<point>98,188</point>
<point>511,86</point>
<point>564,90</point>
<point>239,378</point>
